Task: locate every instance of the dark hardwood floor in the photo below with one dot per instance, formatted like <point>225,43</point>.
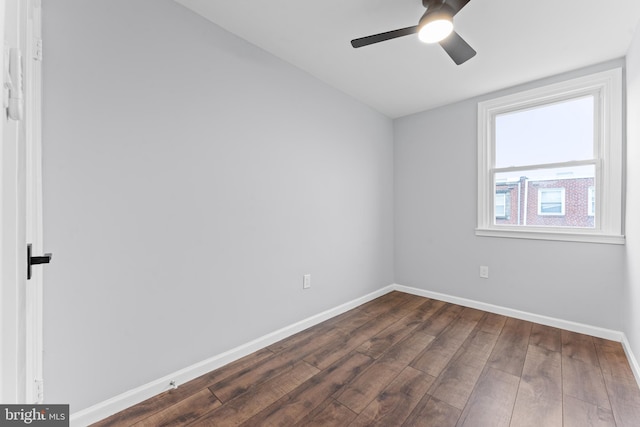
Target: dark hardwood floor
<point>403,360</point>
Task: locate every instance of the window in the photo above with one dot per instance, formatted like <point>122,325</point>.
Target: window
<point>591,201</point>
<point>501,205</point>
<point>551,201</point>
<point>558,148</point>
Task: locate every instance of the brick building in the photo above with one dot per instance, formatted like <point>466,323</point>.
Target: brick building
<point>557,202</point>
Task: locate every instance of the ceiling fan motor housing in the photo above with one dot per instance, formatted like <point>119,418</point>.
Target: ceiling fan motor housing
<point>432,3</point>
<point>443,11</point>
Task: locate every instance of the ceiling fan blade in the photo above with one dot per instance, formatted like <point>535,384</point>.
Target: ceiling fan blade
<point>456,5</point>
<point>377,38</point>
<point>458,49</point>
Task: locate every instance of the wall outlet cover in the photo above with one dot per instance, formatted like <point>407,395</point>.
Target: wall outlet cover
<point>484,272</point>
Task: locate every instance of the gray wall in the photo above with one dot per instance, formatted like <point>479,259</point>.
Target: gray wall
<point>435,217</point>
<point>190,180</point>
<point>631,299</point>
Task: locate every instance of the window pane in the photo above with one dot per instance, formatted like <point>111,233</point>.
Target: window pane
<point>553,197</point>
<point>501,202</point>
<point>551,200</point>
<point>551,133</point>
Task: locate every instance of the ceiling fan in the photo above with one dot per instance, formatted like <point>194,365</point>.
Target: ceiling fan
<point>435,26</point>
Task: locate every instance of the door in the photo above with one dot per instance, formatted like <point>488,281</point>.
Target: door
<point>20,202</point>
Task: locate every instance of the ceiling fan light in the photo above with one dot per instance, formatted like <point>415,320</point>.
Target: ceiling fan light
<point>436,24</point>
<point>435,31</point>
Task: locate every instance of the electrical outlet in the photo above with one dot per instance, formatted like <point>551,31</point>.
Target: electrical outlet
<point>484,272</point>
<point>306,281</point>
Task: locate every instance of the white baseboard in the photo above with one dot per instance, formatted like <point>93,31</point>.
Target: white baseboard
<point>635,367</point>
<point>125,400</point>
<point>523,315</point>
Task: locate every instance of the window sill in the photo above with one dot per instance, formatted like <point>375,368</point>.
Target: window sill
<point>552,235</point>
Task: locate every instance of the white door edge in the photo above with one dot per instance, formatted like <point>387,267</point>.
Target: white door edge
<point>20,300</point>
<point>34,225</point>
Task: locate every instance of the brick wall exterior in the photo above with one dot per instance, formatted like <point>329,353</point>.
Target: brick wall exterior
<point>522,201</point>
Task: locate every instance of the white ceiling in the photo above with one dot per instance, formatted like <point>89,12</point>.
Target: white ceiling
<point>516,40</point>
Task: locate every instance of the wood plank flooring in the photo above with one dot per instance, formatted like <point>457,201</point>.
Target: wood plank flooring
<point>403,360</point>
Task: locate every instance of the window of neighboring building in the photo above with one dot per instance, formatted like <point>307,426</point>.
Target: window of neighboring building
<point>501,205</point>
<point>591,201</point>
<point>565,135</point>
<point>551,201</point>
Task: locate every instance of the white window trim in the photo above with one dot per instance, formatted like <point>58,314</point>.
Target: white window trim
<point>607,88</point>
<point>562,195</point>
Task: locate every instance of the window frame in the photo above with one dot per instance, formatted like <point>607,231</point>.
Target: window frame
<point>606,87</point>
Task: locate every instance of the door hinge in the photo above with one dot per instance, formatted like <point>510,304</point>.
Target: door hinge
<point>13,89</point>
<point>39,390</point>
<point>37,50</point>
